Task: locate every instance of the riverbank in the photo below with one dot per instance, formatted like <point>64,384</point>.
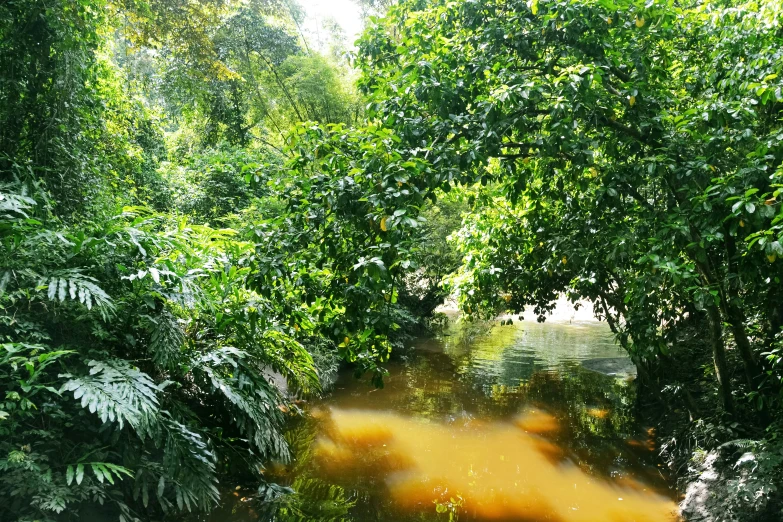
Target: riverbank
<point>726,468</point>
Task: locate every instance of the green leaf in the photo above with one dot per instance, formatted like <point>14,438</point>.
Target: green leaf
<point>97,471</point>
<point>107,474</point>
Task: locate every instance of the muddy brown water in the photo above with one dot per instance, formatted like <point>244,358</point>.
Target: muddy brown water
<point>504,425</point>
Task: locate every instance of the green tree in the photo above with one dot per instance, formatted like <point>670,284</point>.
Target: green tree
<point>639,164</point>
<point>347,237</point>
<point>134,365</point>
<point>142,356</point>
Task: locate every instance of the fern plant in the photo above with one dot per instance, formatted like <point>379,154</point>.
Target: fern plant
<point>135,364</point>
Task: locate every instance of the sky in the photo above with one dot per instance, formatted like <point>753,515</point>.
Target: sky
<point>344,12</point>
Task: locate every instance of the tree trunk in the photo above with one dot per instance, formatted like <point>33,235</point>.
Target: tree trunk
<point>719,357</point>
<point>734,315</point>
<point>737,321</point>
<point>775,315</point>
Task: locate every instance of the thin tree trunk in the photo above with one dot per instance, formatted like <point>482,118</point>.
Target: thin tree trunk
<point>690,404</point>
<point>719,357</point>
<point>623,338</point>
<point>279,81</point>
<point>734,315</point>
<point>749,363</point>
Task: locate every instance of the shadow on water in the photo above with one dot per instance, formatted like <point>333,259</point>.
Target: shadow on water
<point>509,426</point>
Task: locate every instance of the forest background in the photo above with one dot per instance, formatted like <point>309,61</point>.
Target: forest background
<point>195,206</point>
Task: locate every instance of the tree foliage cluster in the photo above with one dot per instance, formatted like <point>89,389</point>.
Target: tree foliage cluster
<point>199,216</point>
<point>194,233</point>
<point>631,155</point>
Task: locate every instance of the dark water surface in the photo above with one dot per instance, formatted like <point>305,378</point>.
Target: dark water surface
<point>503,426</point>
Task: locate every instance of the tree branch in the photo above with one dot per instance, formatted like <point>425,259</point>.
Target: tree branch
<point>513,156</point>
<point>637,196</point>
<point>629,131</point>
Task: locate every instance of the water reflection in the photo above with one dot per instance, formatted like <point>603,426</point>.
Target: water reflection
<point>508,426</point>
<point>503,471</point>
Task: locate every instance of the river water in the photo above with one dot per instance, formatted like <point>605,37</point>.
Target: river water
<point>499,425</point>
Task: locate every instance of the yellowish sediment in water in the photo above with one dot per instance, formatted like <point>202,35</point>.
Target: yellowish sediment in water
<point>502,470</point>
<point>598,413</point>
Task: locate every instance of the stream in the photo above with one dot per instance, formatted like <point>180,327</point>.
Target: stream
<point>509,424</point>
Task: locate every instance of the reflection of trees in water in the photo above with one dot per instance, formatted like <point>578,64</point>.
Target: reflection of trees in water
<point>594,413</point>
<point>300,495</point>
<point>355,494</point>
<point>466,333</point>
<point>308,498</point>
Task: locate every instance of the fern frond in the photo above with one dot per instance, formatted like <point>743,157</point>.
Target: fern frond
<point>743,444</point>
<point>329,502</point>
<point>139,235</point>
<point>255,413</point>
<point>149,475</point>
<point>13,206</point>
<point>189,469</point>
<point>117,392</point>
<point>287,356</point>
<point>306,499</point>
<point>55,499</point>
<point>253,402</point>
<point>102,471</point>
<point>166,339</point>
<point>62,284</point>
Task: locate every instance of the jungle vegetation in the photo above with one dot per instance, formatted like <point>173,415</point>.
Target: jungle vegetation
<point>201,217</point>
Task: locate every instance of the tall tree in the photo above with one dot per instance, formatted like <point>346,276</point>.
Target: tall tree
<point>640,163</point>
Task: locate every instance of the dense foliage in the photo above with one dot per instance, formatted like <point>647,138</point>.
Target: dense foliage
<point>633,157</point>
<point>200,216</point>
<point>145,352</point>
